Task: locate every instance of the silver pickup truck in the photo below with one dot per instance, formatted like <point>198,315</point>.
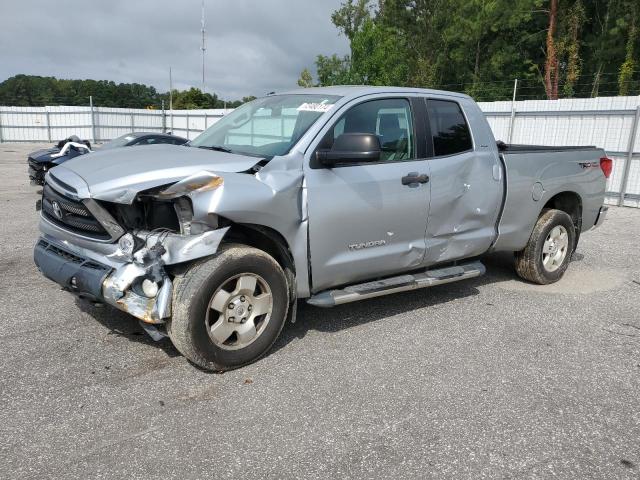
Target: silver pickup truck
<point>332,195</point>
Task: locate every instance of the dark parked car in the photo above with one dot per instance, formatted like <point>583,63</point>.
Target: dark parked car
<point>144,138</point>
<point>41,161</point>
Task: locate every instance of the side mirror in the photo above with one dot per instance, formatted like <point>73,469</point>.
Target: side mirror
<point>351,148</point>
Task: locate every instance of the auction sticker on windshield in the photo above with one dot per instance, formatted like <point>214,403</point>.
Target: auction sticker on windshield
<point>315,107</point>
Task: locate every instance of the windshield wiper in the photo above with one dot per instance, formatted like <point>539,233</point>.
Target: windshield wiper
<point>217,148</point>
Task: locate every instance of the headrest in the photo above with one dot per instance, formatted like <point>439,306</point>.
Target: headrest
<point>389,121</point>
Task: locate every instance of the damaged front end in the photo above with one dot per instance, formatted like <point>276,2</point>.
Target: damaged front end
<point>157,231</point>
<point>142,286</point>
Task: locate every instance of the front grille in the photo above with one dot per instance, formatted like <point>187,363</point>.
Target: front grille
<point>61,253</point>
<point>72,257</point>
<point>70,214</point>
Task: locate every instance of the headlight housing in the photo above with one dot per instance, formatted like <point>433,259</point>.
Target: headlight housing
<point>200,182</point>
<point>127,244</point>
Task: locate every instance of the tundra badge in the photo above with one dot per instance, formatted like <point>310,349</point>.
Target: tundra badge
<point>373,243</point>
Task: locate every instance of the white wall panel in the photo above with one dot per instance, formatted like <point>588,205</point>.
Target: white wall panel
<point>605,122</point>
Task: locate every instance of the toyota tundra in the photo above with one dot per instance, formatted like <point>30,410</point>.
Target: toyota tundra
<point>331,195</point>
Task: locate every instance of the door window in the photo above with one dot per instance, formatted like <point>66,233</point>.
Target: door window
<point>449,128</point>
<point>388,119</point>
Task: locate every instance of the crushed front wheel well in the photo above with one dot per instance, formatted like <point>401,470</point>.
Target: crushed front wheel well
<point>267,240</point>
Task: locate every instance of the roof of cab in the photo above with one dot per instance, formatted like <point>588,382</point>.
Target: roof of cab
<point>359,90</point>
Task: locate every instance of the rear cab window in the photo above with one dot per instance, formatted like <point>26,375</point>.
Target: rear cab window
<point>449,129</point>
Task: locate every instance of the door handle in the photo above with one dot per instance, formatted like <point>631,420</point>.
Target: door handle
<point>413,179</point>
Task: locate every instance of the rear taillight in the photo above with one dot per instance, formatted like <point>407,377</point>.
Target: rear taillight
<point>606,164</point>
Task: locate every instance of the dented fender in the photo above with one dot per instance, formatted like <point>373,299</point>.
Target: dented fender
<point>273,198</point>
<point>184,248</point>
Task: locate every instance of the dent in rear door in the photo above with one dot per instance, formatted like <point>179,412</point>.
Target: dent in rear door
<point>466,186</point>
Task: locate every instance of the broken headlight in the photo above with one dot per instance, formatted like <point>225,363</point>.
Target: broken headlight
<point>200,182</point>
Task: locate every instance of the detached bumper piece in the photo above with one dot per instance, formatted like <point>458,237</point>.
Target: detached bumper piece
<point>101,283</point>
<point>119,291</point>
<point>79,275</point>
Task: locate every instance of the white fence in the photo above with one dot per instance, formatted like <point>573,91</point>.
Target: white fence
<point>609,122</point>
<point>99,124</point>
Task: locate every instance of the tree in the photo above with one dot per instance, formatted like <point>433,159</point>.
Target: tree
<point>31,90</point>
<point>350,17</point>
<point>379,55</point>
<point>194,98</point>
<point>628,67</point>
<point>571,46</point>
<point>305,80</point>
<point>236,103</point>
<point>555,48</point>
<point>484,46</point>
<point>333,70</point>
<point>551,70</point>
<point>563,47</point>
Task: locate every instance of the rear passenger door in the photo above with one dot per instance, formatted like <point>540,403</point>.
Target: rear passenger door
<point>466,185</point>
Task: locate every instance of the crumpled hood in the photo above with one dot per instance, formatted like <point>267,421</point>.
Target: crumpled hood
<point>118,175</point>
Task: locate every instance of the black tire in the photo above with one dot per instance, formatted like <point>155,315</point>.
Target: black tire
<point>193,291</point>
<point>529,262</point>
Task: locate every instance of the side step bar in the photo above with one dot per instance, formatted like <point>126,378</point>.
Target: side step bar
<point>402,283</point>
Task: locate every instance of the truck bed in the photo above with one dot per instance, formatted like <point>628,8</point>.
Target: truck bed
<point>534,175</point>
<point>515,148</point>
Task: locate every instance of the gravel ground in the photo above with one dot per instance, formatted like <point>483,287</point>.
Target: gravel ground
<point>490,377</point>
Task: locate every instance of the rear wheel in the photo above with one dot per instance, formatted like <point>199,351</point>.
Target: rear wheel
<point>548,252</point>
<point>229,310</point>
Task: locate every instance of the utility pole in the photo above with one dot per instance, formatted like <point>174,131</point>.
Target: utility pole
<point>93,120</point>
<point>171,99</point>
<point>164,119</point>
<point>513,110</point>
<point>203,47</point>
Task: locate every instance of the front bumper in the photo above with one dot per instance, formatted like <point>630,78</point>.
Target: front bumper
<point>77,274</point>
<point>94,281</point>
<point>602,214</point>
<point>100,271</point>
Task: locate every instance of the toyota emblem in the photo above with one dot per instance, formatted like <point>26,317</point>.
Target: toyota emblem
<point>57,211</point>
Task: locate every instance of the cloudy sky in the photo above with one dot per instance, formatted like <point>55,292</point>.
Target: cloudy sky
<point>253,46</point>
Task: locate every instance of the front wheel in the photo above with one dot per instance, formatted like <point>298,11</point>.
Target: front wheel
<point>548,252</point>
<point>229,310</point>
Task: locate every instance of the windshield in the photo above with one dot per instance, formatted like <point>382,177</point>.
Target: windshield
<point>266,127</point>
<point>118,142</point>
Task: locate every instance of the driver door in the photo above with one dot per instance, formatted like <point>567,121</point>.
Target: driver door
<point>364,220</point>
